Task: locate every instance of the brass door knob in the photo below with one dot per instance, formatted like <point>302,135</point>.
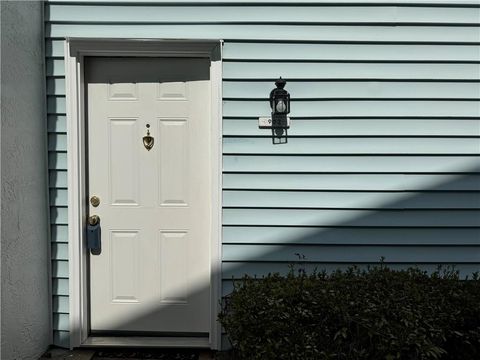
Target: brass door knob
<point>95,201</point>
<point>93,220</point>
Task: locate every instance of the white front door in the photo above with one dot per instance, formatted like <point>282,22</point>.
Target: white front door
<point>153,272</point>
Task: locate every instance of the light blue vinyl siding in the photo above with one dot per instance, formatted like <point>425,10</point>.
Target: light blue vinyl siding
<point>235,32</point>
<point>359,164</point>
<point>366,108</point>
<point>356,200</point>
<point>60,268</point>
<point>383,158</point>
<point>349,236</point>
<point>349,52</point>
<point>335,145</point>
<point>262,14</point>
<point>454,183</point>
<point>60,304</point>
<point>386,127</point>
<point>332,90</point>
<point>336,71</point>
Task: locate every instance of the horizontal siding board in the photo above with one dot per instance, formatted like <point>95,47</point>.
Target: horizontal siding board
<point>61,338</point>
<point>60,304</point>
<point>56,105</point>
<point>351,218</point>
<point>60,269</point>
<point>58,197</point>
<point>57,123</point>
<point>359,127</point>
<point>58,179</point>
<point>353,182</point>
<point>348,236</point>
<point>356,200</point>
<point>60,287</point>
<point>360,164</point>
<point>354,90</point>
<point>339,254</point>
<point>302,33</point>
<point>60,251</point>
<point>57,160</point>
<point>55,86</point>
<point>292,51</point>
<point>340,145</point>
<point>55,67</point>
<point>59,233</point>
<point>57,142</point>
<point>54,48</point>
<point>332,70</point>
<point>61,322</point>
<point>236,270</point>
<point>228,285</point>
<point>59,215</point>
<point>358,108</point>
<point>262,14</point>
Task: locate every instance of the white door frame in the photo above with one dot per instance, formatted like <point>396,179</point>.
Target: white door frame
<point>76,49</point>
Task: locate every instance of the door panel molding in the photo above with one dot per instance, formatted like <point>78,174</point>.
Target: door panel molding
<point>76,49</point>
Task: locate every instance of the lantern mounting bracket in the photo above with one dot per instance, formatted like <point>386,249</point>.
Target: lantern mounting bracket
<point>265,122</point>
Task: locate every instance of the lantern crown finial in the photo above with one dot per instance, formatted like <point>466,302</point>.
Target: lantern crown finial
<point>280,83</point>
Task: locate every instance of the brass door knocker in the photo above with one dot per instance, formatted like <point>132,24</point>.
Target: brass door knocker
<point>148,140</point>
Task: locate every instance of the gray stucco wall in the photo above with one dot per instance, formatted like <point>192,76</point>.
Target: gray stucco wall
<point>25,299</point>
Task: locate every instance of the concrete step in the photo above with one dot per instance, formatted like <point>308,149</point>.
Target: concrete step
<point>122,353</point>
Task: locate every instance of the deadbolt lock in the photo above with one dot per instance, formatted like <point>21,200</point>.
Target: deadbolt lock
<point>95,201</point>
<point>93,220</point>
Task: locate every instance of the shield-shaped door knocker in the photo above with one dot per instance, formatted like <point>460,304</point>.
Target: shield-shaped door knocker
<point>148,140</point>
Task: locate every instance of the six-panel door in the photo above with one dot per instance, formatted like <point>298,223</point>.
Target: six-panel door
<point>153,273</point>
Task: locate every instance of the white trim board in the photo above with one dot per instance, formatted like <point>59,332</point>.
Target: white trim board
<point>76,49</point>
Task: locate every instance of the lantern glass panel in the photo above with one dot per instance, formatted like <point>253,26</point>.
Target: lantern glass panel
<point>281,107</point>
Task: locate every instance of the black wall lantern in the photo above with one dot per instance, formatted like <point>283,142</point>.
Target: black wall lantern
<point>280,104</point>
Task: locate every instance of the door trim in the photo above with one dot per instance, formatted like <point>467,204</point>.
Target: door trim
<point>76,49</point>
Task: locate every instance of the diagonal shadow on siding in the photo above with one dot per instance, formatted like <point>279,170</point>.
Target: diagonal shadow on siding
<point>424,229</point>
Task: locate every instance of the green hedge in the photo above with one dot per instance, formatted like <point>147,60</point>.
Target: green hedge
<point>377,313</point>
